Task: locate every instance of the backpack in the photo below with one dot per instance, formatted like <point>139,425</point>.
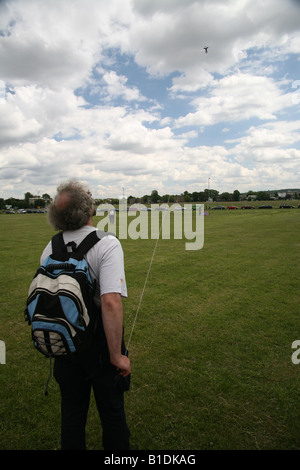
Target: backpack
<point>60,307</point>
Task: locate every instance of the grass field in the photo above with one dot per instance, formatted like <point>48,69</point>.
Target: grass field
<point>211,348</point>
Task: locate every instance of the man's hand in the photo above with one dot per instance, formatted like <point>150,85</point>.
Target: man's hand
<point>123,366</point>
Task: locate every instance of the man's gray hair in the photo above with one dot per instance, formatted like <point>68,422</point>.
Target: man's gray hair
<point>72,206</point>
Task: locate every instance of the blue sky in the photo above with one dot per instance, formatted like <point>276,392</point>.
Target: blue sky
<point>121,94</point>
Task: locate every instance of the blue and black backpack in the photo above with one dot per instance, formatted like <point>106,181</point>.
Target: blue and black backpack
<point>60,305</point>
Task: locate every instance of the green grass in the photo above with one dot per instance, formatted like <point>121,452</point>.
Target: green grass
<point>210,351</point>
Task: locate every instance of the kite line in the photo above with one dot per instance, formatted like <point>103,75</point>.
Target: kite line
<point>145,283</point>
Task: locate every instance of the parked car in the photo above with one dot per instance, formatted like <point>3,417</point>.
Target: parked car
<point>286,206</point>
<point>247,207</point>
<point>232,207</point>
<point>218,208</point>
<point>265,207</point>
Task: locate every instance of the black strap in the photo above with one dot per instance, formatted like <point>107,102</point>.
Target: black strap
<point>87,243</point>
<point>59,249</point>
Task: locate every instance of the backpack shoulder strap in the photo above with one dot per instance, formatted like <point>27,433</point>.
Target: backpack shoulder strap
<point>89,241</point>
<point>59,249</point>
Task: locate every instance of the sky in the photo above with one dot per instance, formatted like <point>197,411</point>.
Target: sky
<point>122,96</point>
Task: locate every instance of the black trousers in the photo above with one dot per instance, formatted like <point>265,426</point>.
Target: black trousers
<point>76,379</point>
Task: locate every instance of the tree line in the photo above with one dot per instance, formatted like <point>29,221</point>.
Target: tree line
<point>154,197</point>
<point>201,196</point>
<point>211,195</point>
<point>39,201</point>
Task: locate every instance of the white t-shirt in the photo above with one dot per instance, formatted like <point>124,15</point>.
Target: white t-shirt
<point>105,259</point>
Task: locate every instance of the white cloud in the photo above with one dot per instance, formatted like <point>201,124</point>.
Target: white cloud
<point>235,98</point>
<point>68,105</point>
<point>57,43</point>
<point>116,86</point>
<point>273,142</point>
<point>31,112</point>
<point>193,81</point>
<point>171,35</point>
<point>275,134</point>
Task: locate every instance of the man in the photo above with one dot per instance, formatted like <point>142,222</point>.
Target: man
<point>104,365</point>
